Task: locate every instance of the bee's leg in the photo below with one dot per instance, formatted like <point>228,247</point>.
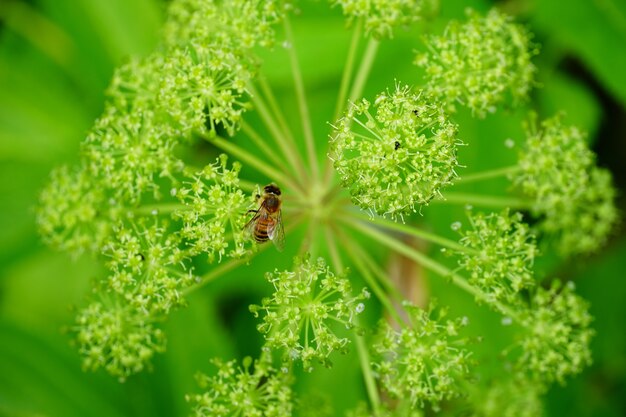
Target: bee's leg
<point>252,211</point>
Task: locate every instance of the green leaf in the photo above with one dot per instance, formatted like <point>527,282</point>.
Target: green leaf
<point>595,31</point>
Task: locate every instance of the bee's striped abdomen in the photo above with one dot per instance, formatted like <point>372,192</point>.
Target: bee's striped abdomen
<point>261,229</point>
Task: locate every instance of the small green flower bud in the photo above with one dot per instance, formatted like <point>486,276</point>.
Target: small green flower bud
<point>479,64</point>
<point>500,255</point>
<point>241,391</point>
<point>425,361</point>
<point>300,315</point>
<point>400,156</point>
<point>117,338</point>
<point>573,198</point>
<point>381,17</point>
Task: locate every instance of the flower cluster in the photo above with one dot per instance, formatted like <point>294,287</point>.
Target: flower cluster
<point>129,152</point>
<point>479,64</point>
<point>241,24</point>
<point>209,63</point>
<point>556,344</point>
<point>381,17</point>
<point>117,338</point>
<point>147,267</point>
<point>499,256</point>
<point>242,391</point>
<point>194,84</point>
<point>509,397</point>
<point>215,205</point>
<point>73,215</point>
<point>400,156</point>
<point>299,316</point>
<point>424,361</point>
<point>202,87</point>
<point>573,197</point>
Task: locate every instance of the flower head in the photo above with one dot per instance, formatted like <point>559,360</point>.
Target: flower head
<point>499,256</point>
<point>242,391</point>
<point>129,152</point>
<point>215,211</point>
<point>239,24</point>
<point>203,86</point>
<point>397,157</point>
<point>425,361</point>
<point>556,345</point>
<point>147,268</point>
<point>117,338</point>
<point>73,213</point>
<point>381,17</point>
<point>573,198</point>
<point>479,64</point>
<point>299,316</point>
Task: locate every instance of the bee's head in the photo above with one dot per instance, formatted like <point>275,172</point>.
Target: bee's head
<point>272,189</point>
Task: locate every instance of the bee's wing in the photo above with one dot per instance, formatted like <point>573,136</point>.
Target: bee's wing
<point>251,225</point>
<point>276,232</point>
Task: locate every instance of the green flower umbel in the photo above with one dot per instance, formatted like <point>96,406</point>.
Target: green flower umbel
<point>300,316</point>
<point>499,256</point>
<point>425,360</point>
<point>116,337</point>
<point>479,64</point>
<point>381,17</point>
<point>556,345</point>
<point>573,198</point>
<point>243,392</point>
<point>395,154</point>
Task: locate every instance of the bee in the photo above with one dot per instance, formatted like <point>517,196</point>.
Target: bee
<point>267,222</point>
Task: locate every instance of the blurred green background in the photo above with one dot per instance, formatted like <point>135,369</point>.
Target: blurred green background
<point>56,58</point>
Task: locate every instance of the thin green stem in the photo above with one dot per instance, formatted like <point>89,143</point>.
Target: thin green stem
<point>348,69</point>
<point>366,368</point>
<point>487,175</point>
<point>262,144</point>
<point>356,255</point>
<point>286,146</point>
<point>484,200</point>
<point>383,279</point>
<point>425,261</point>
<point>302,102</point>
<point>364,69</point>
<point>366,365</point>
<point>284,126</point>
<point>261,166</point>
<point>412,231</point>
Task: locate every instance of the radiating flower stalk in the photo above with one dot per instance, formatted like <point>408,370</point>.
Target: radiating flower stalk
<point>166,224</point>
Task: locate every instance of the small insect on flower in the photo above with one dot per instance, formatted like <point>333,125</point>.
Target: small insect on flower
<point>267,222</point>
